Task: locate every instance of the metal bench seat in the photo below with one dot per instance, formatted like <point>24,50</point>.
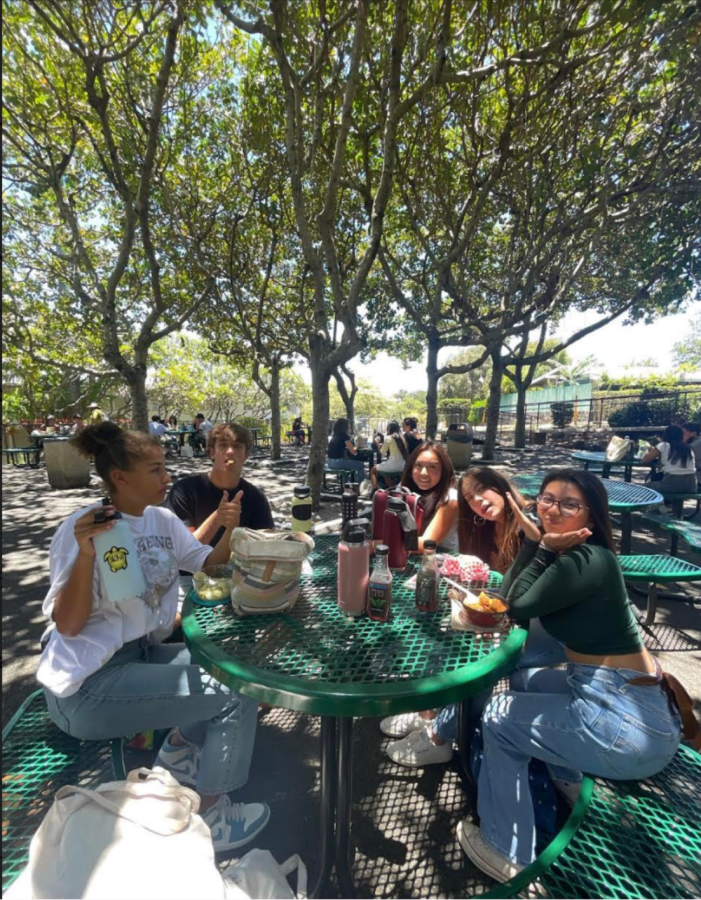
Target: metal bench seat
<point>625,839</point>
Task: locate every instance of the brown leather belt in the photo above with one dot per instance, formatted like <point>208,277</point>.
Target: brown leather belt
<point>678,699</point>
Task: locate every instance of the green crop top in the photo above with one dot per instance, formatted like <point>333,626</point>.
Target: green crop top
<point>579,597</point>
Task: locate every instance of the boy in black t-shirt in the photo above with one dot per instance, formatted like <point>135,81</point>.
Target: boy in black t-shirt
<point>196,499</point>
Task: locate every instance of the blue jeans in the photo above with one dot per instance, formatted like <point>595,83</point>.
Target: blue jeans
<point>148,686</point>
<point>357,465</point>
<point>540,649</point>
<point>585,717</point>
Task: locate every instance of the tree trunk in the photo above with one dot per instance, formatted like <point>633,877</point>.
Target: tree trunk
<point>275,418</point>
<point>432,391</point>
<point>520,429</point>
<point>139,400</point>
<point>348,399</point>
<point>320,428</point>
<point>493,406</point>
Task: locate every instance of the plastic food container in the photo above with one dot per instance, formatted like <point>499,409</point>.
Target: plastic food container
<point>212,585</point>
<point>487,610</point>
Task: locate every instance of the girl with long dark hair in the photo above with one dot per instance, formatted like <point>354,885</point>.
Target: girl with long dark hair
<point>341,450</point>
<point>678,463</point>
<point>487,526</point>
<point>104,671</point>
<point>612,713</point>
<point>429,473</point>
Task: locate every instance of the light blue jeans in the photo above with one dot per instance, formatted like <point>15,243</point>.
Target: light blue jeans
<point>147,686</point>
<point>587,718</point>
<point>539,650</point>
<point>357,465</point>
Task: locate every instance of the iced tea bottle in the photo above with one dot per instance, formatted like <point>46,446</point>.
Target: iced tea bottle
<point>380,586</point>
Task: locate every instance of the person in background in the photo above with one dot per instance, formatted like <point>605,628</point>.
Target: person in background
<point>692,436</point>
<point>172,422</point>
<point>51,425</point>
<point>201,428</point>
<point>104,671</point>
<point>395,447</point>
<point>678,463</point>
<point>611,713</point>
<point>298,430</point>
<point>95,414</point>
<point>487,528</point>
<point>341,451</point>
<point>156,428</point>
<point>78,424</point>
<point>409,426</point>
<point>196,499</point>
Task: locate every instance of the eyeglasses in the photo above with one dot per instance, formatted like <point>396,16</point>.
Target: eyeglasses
<point>567,507</point>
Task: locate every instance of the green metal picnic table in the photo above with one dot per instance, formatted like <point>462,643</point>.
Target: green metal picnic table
<point>624,498</point>
<point>316,660</point>
<point>598,459</point>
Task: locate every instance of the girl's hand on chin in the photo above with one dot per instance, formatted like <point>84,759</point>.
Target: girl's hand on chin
<point>560,543</point>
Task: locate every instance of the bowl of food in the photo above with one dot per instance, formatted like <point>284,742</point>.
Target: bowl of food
<point>487,610</point>
<point>212,585</point>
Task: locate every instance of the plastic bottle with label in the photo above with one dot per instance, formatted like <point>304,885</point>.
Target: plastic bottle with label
<point>117,560</point>
<point>302,509</point>
<point>427,580</point>
<point>380,586</point>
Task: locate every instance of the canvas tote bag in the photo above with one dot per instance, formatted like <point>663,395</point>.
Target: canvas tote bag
<point>267,568</point>
<point>137,838</point>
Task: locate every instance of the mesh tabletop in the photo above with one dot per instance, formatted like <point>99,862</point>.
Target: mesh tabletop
<point>599,459</point>
<point>317,660</point>
<point>37,760</point>
<point>658,568</point>
<point>622,496</point>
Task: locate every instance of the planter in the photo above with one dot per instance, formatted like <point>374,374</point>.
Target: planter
<point>65,467</point>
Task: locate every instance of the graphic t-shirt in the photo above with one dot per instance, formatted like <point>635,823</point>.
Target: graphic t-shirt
<point>194,499</point>
<point>164,544</point>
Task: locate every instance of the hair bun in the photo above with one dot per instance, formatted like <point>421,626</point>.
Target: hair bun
<point>93,438</point>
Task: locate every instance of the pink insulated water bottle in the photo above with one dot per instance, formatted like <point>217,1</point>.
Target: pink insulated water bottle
<point>353,570</point>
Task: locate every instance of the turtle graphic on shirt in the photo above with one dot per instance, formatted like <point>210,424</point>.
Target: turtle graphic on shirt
<point>116,558</point>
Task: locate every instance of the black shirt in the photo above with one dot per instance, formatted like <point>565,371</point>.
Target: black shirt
<point>412,441</point>
<point>337,446</point>
<point>195,498</point>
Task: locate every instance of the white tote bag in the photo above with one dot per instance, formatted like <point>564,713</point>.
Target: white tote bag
<point>259,876</point>
<point>137,838</point>
<point>618,448</point>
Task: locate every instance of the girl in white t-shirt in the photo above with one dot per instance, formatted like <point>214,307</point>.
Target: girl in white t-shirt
<point>677,462</point>
<point>395,450</point>
<point>103,668</point>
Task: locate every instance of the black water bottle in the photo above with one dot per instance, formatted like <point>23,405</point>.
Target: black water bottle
<point>349,506</point>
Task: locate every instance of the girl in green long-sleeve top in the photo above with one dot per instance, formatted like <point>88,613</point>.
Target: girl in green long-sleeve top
<point>612,713</point>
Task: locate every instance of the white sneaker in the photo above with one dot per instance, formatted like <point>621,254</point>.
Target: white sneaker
<point>417,749</point>
<point>485,857</point>
<point>568,789</point>
<point>402,725</point>
<point>234,824</point>
<point>181,762</point>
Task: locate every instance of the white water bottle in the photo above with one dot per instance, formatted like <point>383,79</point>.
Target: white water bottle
<point>118,561</point>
